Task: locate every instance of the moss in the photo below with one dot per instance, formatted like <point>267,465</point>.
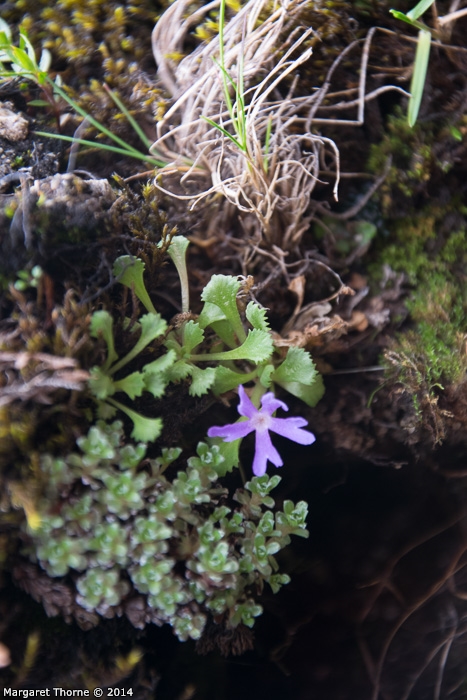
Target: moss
<point>79,30</point>
<point>412,158</point>
<point>430,353</point>
<point>426,222</point>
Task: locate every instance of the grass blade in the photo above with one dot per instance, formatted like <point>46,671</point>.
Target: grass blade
<point>417,85</point>
<point>100,127</point>
<point>136,127</point>
<point>225,132</point>
<point>419,9</point>
<point>105,147</point>
<point>408,20</point>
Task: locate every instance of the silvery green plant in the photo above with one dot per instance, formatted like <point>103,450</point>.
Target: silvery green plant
<point>178,546</point>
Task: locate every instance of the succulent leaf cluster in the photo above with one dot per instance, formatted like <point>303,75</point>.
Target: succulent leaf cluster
<point>114,523</point>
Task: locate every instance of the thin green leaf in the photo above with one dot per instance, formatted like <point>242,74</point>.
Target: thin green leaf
<point>130,153</point>
<point>405,18</point>
<point>225,132</point>
<point>422,56</point>
<point>267,144</point>
<point>24,43</point>
<point>420,8</point>
<point>222,55</point>
<point>22,59</point>
<point>38,103</point>
<point>127,149</point>
<point>5,32</point>
<point>45,60</point>
<point>136,127</point>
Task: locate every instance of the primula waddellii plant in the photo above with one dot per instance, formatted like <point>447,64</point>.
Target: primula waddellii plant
<point>176,549</point>
<point>227,358</point>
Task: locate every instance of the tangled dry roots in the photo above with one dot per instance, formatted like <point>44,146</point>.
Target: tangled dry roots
<point>271,190</point>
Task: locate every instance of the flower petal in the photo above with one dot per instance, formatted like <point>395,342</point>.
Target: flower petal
<point>269,403</point>
<point>264,451</point>
<point>231,431</point>
<point>245,406</point>
<point>291,428</point>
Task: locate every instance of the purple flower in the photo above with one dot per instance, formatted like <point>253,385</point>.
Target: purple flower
<point>262,421</point>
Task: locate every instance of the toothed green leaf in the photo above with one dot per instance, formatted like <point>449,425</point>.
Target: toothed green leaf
<point>144,429</point>
<point>162,363</point>
<point>210,314</point>
<point>257,316</point>
<point>297,367</point>
<point>177,252</point>
<point>257,347</point>
<point>192,336</point>
<point>225,332</point>
<point>100,383</point>
<point>202,380</point>
<point>155,374</point>
<point>132,385</point>
<point>266,374</point>
<point>155,384</point>
<point>222,291</point>
<point>179,370</point>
